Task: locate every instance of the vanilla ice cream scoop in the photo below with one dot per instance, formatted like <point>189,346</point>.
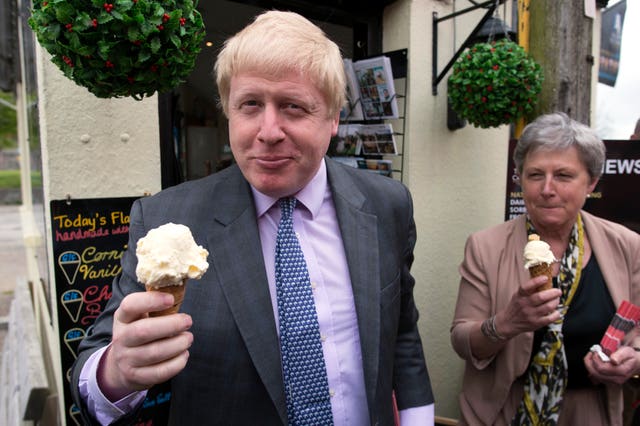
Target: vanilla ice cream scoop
<point>168,256</point>
<point>538,259</point>
<point>537,252</point>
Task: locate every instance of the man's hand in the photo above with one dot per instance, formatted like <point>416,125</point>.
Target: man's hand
<point>144,351</point>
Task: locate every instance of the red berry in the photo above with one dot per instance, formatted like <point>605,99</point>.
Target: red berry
<point>94,22</point>
<point>160,27</point>
<point>69,27</point>
<point>183,21</point>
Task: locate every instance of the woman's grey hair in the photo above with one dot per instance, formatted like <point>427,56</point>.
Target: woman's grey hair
<point>557,132</point>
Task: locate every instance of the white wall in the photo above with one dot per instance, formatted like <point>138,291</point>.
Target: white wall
<point>91,148</point>
<point>457,178</point>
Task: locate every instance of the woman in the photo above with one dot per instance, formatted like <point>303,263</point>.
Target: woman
<point>505,330</point>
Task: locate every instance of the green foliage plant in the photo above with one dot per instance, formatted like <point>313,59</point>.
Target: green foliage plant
<point>10,179</point>
<point>494,83</point>
<point>120,48</point>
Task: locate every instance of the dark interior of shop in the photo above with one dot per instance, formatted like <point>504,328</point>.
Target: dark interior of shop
<point>193,129</point>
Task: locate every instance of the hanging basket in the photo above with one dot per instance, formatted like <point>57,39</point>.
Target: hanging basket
<point>120,49</point>
<point>494,83</point>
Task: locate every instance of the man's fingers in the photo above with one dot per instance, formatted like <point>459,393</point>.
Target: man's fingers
<point>137,305</point>
<point>161,350</point>
<point>144,377</point>
<point>166,370</point>
<point>149,330</point>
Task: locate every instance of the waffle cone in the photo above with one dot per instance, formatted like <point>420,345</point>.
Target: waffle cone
<point>178,296</point>
<point>542,269</point>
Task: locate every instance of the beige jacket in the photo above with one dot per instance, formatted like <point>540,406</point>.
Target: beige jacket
<point>491,272</point>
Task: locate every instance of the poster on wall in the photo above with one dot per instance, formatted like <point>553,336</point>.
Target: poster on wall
<point>614,198</point>
<point>89,237</point>
<point>610,43</point>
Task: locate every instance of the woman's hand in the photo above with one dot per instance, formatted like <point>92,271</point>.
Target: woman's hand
<point>624,363</point>
<point>528,310</point>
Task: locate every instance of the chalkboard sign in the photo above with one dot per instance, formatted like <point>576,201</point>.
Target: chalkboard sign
<point>89,237</point>
<point>613,198</point>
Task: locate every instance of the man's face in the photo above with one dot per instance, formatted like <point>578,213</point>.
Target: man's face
<point>279,130</point>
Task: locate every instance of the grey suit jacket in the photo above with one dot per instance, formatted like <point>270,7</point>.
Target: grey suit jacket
<point>233,376</point>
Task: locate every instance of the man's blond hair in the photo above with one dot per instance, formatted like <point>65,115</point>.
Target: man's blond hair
<point>276,43</point>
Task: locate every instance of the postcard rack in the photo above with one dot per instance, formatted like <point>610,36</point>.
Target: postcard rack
<point>366,118</point>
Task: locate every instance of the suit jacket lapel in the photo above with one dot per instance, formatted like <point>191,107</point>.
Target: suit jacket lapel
<point>237,259</point>
<point>360,239</point>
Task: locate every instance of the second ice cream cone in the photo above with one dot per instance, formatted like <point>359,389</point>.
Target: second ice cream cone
<point>542,269</point>
<point>178,296</point>
<point>538,260</point>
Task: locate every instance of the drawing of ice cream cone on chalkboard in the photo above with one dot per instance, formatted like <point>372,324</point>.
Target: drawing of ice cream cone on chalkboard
<point>71,301</point>
<point>69,262</point>
<point>74,413</point>
<point>72,339</point>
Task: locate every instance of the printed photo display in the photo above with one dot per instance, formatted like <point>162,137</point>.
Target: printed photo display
<point>365,139</point>
<point>382,167</point>
<point>370,90</point>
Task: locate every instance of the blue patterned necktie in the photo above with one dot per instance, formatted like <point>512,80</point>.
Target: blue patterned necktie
<point>305,375</point>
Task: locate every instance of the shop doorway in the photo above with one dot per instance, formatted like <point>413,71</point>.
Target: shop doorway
<point>193,130</point>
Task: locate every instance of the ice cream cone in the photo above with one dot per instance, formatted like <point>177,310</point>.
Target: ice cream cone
<point>542,269</point>
<point>178,296</point>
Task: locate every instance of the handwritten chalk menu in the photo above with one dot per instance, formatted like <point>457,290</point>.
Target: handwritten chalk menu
<point>613,198</point>
<point>89,237</point>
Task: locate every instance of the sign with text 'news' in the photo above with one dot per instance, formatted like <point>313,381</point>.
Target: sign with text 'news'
<point>615,197</point>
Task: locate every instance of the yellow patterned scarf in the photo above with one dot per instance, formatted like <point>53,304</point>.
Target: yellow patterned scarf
<point>546,378</point>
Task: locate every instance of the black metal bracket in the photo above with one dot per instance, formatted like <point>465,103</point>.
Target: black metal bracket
<point>490,5</point>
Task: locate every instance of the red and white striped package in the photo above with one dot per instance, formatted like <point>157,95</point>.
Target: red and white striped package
<point>625,319</point>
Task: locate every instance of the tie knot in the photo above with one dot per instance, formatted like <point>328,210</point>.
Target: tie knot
<point>286,206</point>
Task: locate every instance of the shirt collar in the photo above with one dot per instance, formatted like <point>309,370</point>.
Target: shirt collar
<point>311,196</point>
